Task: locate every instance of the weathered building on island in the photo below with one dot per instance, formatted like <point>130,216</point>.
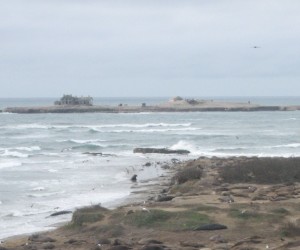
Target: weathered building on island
<point>74,100</point>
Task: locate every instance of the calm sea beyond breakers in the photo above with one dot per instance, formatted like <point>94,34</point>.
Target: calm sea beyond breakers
<point>52,162</point>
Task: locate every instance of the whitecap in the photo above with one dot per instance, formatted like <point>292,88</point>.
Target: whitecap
<point>290,145</point>
<point>14,154</point>
<point>32,148</point>
<point>38,189</point>
<point>81,141</point>
<point>40,195</point>
<point>149,130</point>
<point>26,126</point>
<point>15,213</point>
<point>145,125</point>
<point>10,164</point>
<point>52,170</point>
<point>186,145</point>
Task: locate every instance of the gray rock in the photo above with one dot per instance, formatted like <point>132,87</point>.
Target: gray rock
<point>61,213</point>
<point>160,151</point>
<point>227,199</point>
<point>163,197</point>
<point>218,239</point>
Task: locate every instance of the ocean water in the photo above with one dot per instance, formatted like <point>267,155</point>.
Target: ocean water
<point>44,167</point>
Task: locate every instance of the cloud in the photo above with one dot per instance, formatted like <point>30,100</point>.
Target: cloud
<point>132,48</point>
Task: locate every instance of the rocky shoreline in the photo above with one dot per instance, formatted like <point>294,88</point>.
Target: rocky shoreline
<point>207,203</point>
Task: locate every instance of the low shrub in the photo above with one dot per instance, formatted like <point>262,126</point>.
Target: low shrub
<point>88,215</point>
<point>188,173</point>
<point>262,170</point>
<point>290,229</point>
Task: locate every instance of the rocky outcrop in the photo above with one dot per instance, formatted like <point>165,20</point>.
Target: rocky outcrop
<point>160,151</point>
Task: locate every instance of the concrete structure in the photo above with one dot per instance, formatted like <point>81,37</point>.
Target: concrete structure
<point>74,100</point>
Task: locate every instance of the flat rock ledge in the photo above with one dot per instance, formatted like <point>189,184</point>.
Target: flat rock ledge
<point>160,151</point>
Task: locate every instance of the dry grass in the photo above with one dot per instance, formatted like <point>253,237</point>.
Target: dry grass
<point>187,174</point>
<point>262,171</point>
<point>87,215</point>
<point>291,229</point>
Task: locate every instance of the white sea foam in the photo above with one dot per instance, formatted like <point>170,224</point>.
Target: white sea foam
<point>52,170</point>
<point>82,141</point>
<point>10,164</point>
<point>186,145</point>
<point>146,125</point>
<point>15,213</point>
<point>38,189</point>
<point>32,148</point>
<point>14,154</point>
<point>26,126</point>
<point>147,130</point>
<point>291,145</point>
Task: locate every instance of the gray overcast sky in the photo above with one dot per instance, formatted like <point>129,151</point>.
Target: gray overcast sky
<point>149,47</point>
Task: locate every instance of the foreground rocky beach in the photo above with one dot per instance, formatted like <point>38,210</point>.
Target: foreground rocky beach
<point>207,203</point>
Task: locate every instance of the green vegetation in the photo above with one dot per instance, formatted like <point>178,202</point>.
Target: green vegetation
<point>87,215</point>
<point>185,220</point>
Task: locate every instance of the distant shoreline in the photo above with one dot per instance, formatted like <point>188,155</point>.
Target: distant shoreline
<point>211,107</point>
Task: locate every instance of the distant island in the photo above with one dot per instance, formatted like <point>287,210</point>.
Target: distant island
<point>74,104</point>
